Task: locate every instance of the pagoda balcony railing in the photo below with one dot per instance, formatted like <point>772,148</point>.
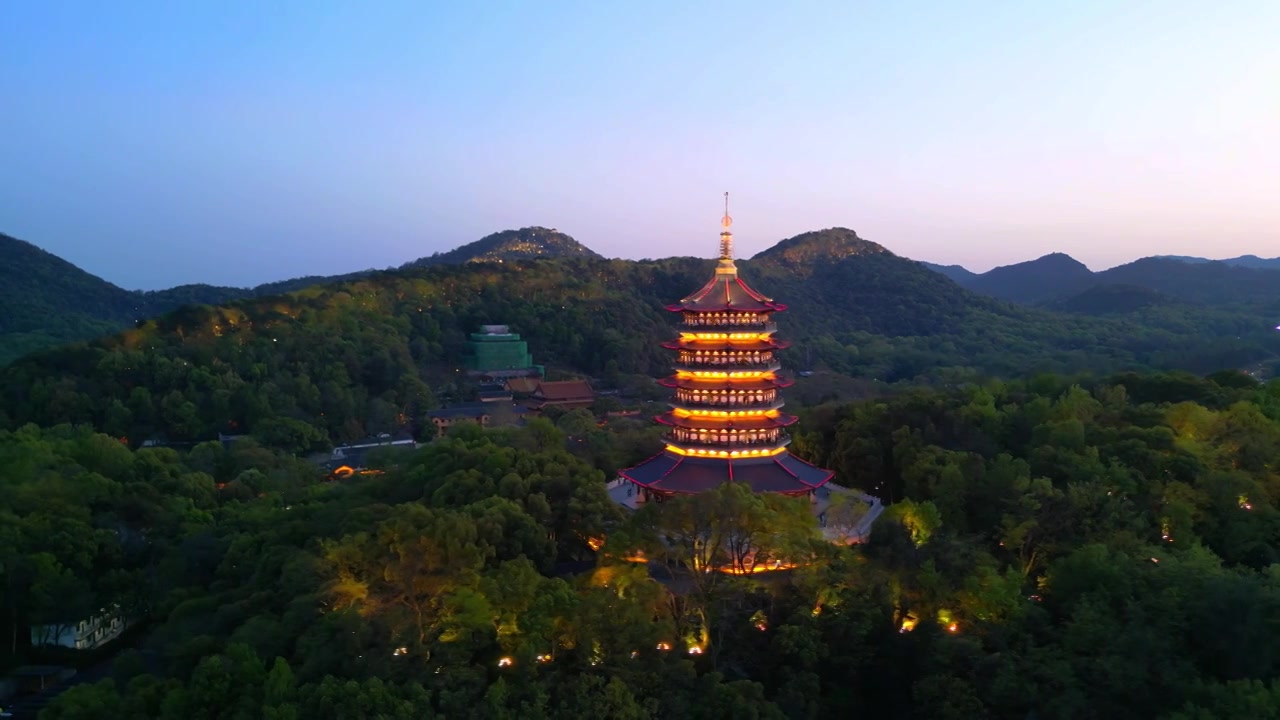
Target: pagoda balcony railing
<point>721,404</point>
<point>782,440</point>
<point>696,366</point>
<point>736,327</point>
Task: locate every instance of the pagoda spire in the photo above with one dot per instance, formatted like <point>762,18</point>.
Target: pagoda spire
<point>726,266</point>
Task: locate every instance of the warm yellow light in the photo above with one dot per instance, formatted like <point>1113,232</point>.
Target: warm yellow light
<point>770,567</point>
<point>716,374</point>
<point>702,452</point>
<point>693,336</point>
<point>686,413</point>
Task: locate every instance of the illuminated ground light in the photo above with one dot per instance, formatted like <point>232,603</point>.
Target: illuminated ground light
<point>695,650</point>
<point>953,627</point>
<point>505,662</point>
<point>401,651</point>
<point>664,646</point>
<point>770,567</point>
<point>544,658</point>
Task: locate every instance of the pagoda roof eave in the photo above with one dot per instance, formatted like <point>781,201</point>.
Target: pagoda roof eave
<point>767,306</point>
<point>726,292</point>
<point>670,474</point>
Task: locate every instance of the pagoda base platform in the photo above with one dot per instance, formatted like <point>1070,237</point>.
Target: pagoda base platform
<point>670,473</point>
<point>627,494</point>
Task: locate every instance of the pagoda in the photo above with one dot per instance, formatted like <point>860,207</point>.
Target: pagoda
<point>725,423</point>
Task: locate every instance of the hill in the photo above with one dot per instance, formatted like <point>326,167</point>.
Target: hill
<point>1245,284</point>
<point>1246,261</point>
<point>1113,300</point>
<point>811,250</point>
<point>512,245</point>
<point>1212,283</point>
<point>1053,276</point>
<point>46,301</point>
<point>369,355</point>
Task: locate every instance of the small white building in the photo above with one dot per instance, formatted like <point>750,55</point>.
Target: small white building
<point>96,631</point>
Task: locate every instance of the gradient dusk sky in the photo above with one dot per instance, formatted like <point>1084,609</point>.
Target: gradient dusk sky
<point>158,143</point>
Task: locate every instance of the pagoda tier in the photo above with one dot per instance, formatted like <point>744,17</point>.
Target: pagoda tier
<point>728,323</point>
<point>760,364</point>
<point>725,424</point>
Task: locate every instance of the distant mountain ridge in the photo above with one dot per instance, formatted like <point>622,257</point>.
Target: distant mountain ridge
<point>1050,277</point>
<point>341,356</point>
<point>1060,282</point>
<point>836,282</point>
<point>1245,261</point>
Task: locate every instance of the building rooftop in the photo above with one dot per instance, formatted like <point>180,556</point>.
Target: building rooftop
<point>564,390</point>
<point>523,385</point>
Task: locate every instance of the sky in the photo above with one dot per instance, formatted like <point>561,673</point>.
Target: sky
<point>234,143</point>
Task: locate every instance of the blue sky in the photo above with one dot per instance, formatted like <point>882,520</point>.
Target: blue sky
<point>158,143</point>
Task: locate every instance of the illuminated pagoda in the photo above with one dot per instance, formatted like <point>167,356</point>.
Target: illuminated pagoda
<point>725,423</point>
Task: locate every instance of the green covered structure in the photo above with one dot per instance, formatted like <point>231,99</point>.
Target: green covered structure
<point>498,352</point>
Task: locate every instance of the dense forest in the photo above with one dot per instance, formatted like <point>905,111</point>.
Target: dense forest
<point>1077,527</point>
<point>1056,548</point>
<point>337,362</point>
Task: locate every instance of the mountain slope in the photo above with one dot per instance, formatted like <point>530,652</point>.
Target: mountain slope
<point>45,300</point>
<point>1247,283</point>
<point>1212,283</point>
<point>959,275</point>
<point>1109,299</point>
<point>512,245</point>
<point>1036,281</point>
<point>364,356</point>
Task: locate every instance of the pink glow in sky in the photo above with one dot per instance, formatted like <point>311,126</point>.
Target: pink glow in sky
<point>163,144</point>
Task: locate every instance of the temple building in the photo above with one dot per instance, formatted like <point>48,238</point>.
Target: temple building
<point>725,422</point>
<point>567,394</point>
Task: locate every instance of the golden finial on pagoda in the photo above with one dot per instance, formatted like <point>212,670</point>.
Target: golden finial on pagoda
<point>726,237</point>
